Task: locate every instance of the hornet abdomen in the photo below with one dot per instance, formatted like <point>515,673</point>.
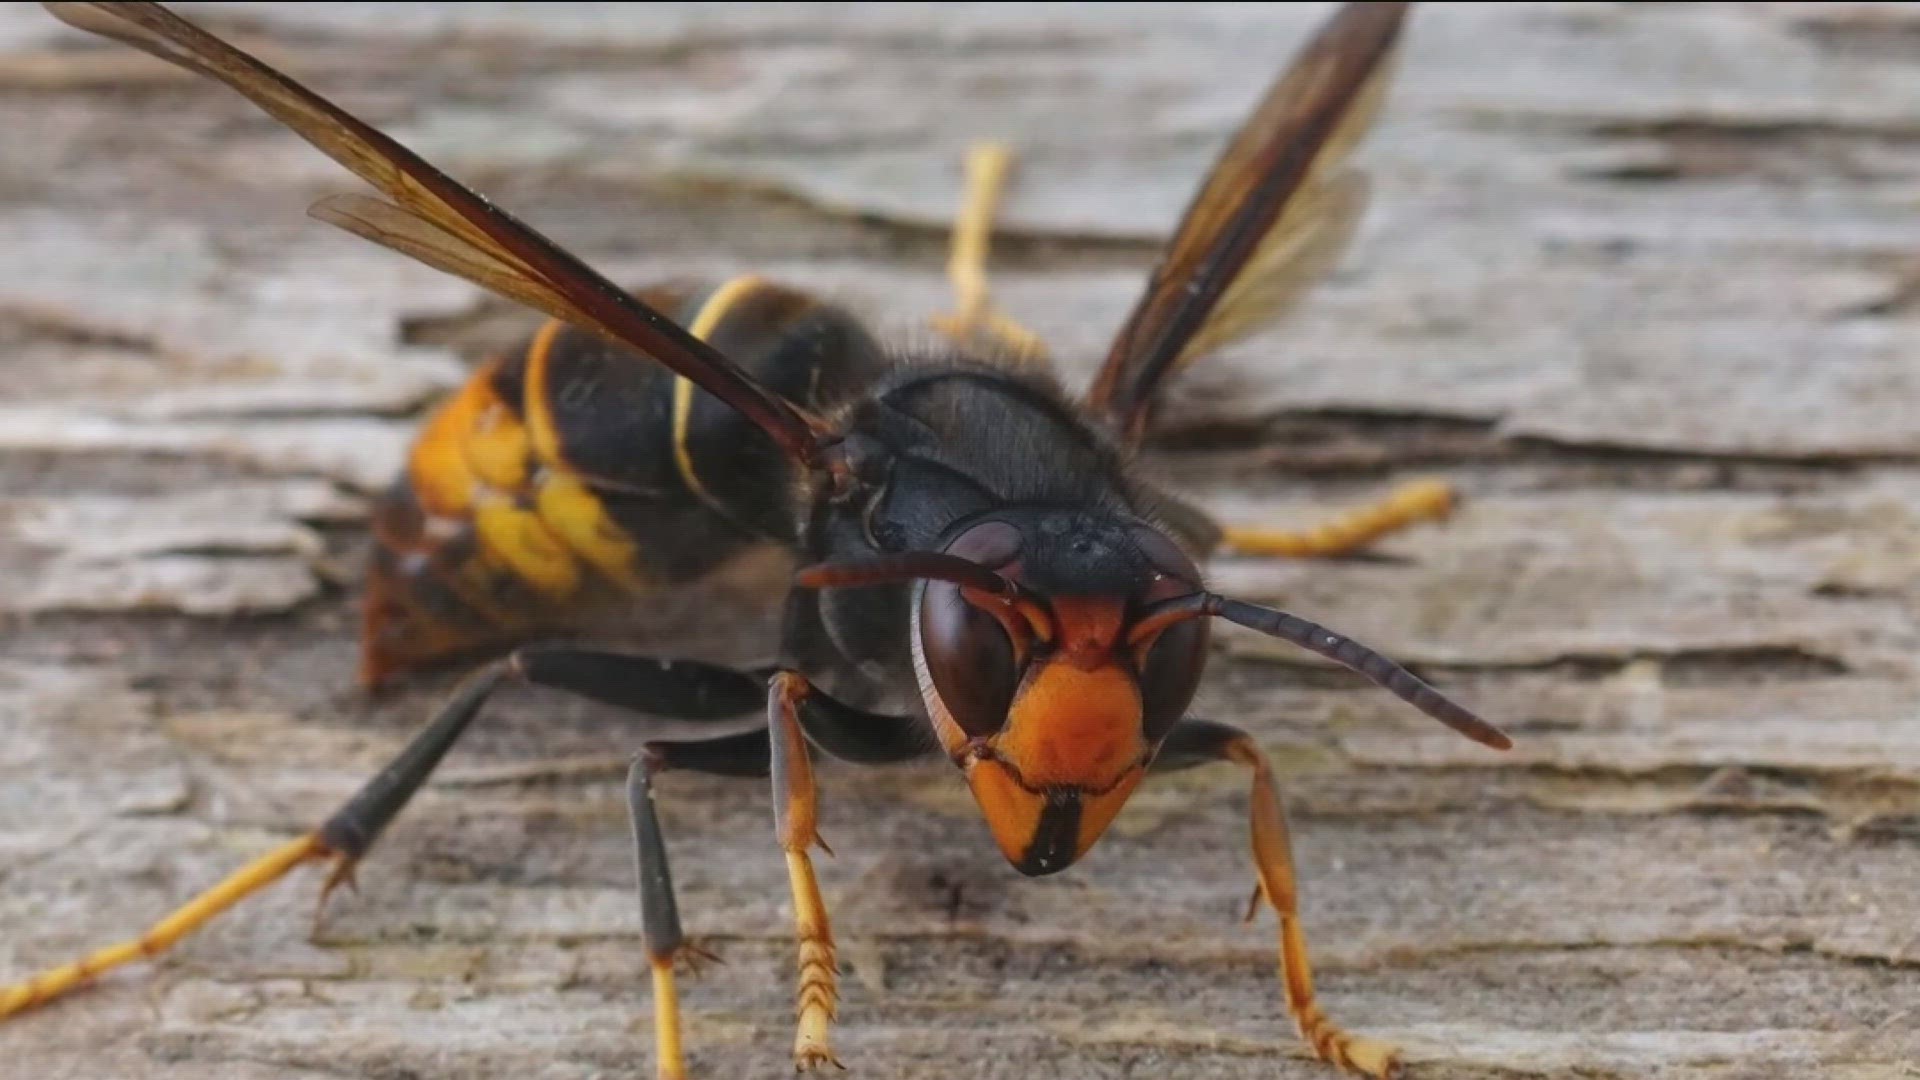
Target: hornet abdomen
<point>571,471</point>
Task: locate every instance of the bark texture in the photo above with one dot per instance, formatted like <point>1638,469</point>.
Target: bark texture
<point>1640,278</point>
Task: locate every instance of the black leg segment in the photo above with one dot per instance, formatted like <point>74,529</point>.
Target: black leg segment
<point>355,826</point>
<point>683,689</point>
<point>858,736</point>
<point>747,755</point>
<point>1194,742</point>
<point>659,915</point>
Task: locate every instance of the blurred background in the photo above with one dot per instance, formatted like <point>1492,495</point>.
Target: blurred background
<point>1639,278</point>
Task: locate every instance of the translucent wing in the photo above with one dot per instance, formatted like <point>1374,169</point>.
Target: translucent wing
<point>1272,216</point>
<point>437,220</point>
<point>1302,249</point>
<point>424,241</point>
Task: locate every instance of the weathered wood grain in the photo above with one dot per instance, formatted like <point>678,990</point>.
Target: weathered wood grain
<point>1639,278</point>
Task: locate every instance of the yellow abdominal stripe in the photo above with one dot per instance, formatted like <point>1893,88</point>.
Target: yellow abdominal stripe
<point>571,509</point>
<point>542,541</point>
<point>711,313</point>
<point>486,459</point>
<point>518,538</point>
<point>497,450</point>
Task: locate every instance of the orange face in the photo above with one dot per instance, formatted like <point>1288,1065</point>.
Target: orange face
<point>1071,749</point>
<point>1057,649</point>
<point>1053,709</point>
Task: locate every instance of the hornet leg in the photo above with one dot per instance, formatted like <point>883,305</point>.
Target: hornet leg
<point>1408,505</point>
<point>1199,742</point>
<point>693,691</point>
<point>842,731</point>
<point>795,711</point>
<point>975,320</point>
<point>746,755</point>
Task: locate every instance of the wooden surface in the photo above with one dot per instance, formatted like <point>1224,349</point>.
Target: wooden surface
<point>1639,278</point>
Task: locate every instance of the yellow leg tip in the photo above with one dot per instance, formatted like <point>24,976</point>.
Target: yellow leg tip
<point>1425,499</point>
<point>249,879</point>
<point>988,161</point>
<point>809,1056</point>
<point>1350,1053</point>
<point>666,1023</point>
<point>1406,506</point>
<point>818,993</point>
<point>1371,1058</point>
<point>975,322</point>
<point>39,990</point>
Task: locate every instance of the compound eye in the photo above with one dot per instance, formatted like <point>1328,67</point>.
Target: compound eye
<point>968,650</point>
<point>992,544</point>
<point>970,657</point>
<point>1170,672</point>
<point>1167,557</point>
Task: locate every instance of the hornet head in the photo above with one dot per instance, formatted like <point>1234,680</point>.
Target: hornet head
<point>1057,649</point>
<point>1053,694</point>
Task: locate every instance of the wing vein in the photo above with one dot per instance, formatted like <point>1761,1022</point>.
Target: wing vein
<point>1272,216</point>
